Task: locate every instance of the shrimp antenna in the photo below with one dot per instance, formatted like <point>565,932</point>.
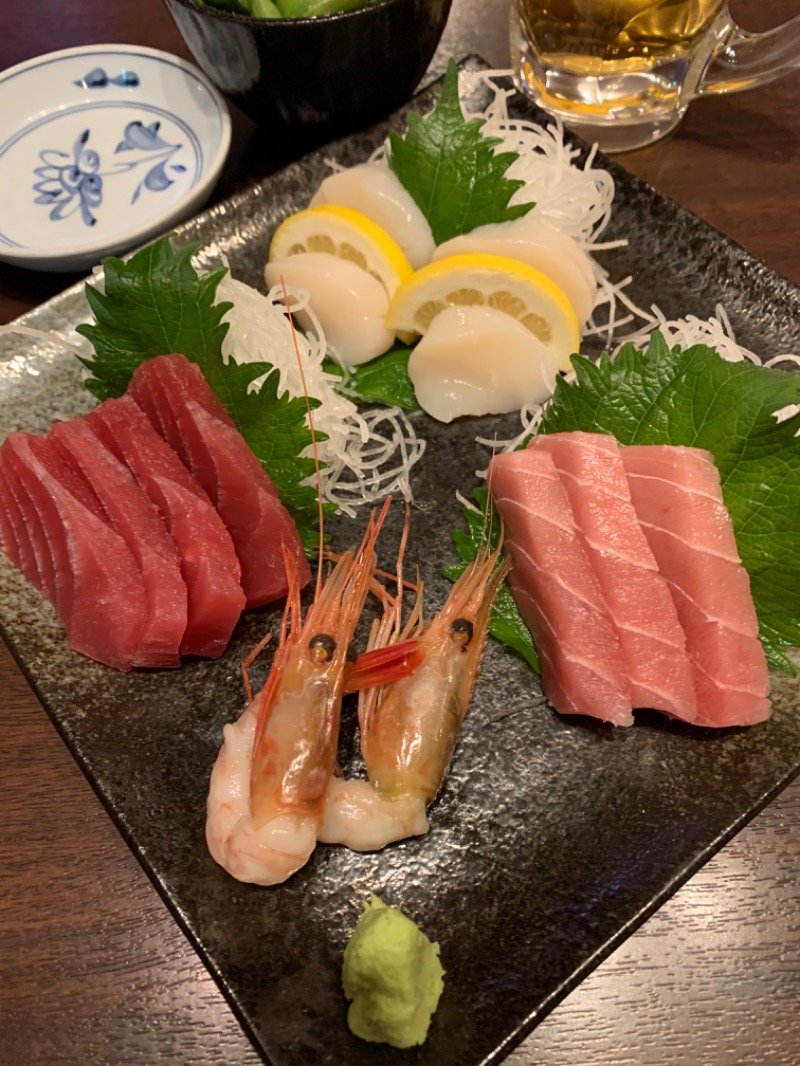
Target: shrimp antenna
<point>320,508</point>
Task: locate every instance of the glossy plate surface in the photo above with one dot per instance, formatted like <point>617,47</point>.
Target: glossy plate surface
<point>100,148</point>
<point>551,838</point>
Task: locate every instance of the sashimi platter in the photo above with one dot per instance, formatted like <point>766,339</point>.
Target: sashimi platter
<point>419,524</point>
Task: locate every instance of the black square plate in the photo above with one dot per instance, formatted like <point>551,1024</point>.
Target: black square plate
<point>551,838</point>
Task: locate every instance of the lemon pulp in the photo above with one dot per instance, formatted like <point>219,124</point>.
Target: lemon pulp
<point>346,234</point>
<point>494,281</point>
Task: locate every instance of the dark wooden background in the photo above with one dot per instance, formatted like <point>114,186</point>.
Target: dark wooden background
<point>94,971</point>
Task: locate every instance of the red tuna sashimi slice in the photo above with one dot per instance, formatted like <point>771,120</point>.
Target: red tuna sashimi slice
<point>15,537</point>
<point>131,514</point>
<point>33,538</point>
<point>38,534</point>
<point>209,563</point>
<point>637,596</point>
<point>9,543</point>
<point>556,590</point>
<point>678,498</point>
<point>260,525</point>
<point>166,388</point>
<point>181,382</point>
<point>101,599</point>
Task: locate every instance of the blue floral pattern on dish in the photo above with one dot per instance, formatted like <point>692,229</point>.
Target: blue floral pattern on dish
<point>71,182</point>
<point>98,79</point>
<point>147,139</point>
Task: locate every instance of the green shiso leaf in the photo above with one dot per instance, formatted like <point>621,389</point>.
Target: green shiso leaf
<point>693,397</point>
<point>385,380</point>
<point>155,303</point>
<point>506,623</point>
<point>451,170</point>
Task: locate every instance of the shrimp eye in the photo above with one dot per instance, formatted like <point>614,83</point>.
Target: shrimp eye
<point>352,652</point>
<point>322,648</point>
<point>461,633</point>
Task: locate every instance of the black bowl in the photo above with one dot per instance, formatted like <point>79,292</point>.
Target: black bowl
<point>309,80</point>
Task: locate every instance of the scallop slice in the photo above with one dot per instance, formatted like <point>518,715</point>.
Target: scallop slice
<point>534,242</point>
<point>350,303</point>
<point>479,361</point>
<point>376,191</point>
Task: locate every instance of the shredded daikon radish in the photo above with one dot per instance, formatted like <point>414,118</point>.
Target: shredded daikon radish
<point>613,295</point>
<point>574,197</point>
<point>715,332</point>
<point>530,416</point>
<point>378,466</point>
<point>367,455</point>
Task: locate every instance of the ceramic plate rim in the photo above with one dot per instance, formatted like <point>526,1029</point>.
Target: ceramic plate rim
<point>99,248</point>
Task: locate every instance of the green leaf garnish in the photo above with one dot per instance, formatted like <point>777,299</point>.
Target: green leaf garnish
<point>156,304</point>
<point>451,170</point>
<point>153,304</point>
<point>696,398</point>
<point>505,623</point>
<point>384,380</point>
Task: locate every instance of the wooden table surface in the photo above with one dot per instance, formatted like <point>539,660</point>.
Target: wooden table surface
<point>93,970</point>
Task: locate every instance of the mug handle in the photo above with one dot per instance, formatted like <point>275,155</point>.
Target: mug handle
<point>744,60</point>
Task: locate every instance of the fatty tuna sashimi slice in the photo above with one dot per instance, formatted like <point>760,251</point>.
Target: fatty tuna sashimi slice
<point>176,398</point>
<point>637,596</point>
<point>209,564</point>
<point>101,597</point>
<point>678,498</point>
<point>556,590</point>
<point>131,514</point>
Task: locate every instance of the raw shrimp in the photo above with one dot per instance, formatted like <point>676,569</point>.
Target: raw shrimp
<point>270,782</point>
<point>409,728</point>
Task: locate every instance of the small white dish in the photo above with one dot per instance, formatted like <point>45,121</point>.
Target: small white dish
<point>101,148</point>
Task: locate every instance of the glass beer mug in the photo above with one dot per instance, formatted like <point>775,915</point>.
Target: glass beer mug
<point>622,72</point>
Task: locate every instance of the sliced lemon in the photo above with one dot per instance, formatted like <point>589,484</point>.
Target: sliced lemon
<point>347,234</point>
<point>480,280</point>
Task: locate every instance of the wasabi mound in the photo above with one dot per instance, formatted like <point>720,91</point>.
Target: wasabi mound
<point>393,976</point>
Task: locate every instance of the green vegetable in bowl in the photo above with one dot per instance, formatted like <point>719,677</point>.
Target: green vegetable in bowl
<point>238,7</point>
<point>263,9</point>
<point>296,9</point>
<point>288,8</point>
